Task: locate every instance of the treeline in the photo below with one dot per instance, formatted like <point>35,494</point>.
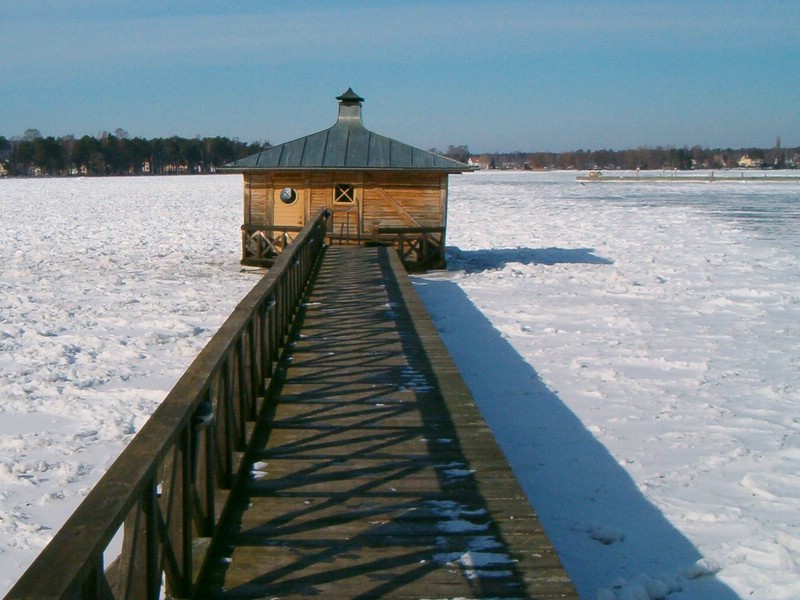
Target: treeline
<point>641,158</point>
<point>34,155</point>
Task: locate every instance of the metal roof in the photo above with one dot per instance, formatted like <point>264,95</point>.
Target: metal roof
<point>346,145</point>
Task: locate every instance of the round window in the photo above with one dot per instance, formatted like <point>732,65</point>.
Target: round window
<point>288,195</point>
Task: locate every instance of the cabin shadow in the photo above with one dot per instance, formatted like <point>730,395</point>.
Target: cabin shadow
<point>475,261</point>
<point>617,533</point>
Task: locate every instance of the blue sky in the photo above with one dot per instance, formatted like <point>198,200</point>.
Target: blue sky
<point>497,75</point>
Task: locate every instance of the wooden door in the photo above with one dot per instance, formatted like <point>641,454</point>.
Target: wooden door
<point>346,209</point>
<point>290,206</point>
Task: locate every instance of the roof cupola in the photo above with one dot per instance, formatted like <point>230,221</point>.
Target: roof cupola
<point>347,144</point>
<point>350,106</point>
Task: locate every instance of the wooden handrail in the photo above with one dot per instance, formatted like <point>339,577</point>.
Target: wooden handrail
<point>271,228</point>
<point>419,248</point>
<point>411,230</point>
<point>167,490</point>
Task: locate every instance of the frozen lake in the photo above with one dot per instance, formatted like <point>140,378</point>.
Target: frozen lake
<point>635,348</point>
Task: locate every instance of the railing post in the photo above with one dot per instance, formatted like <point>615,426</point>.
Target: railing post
<point>269,328</point>
<point>175,517</point>
<point>227,420</point>
<point>185,522</point>
<point>245,392</point>
<point>152,539</point>
<point>203,480</point>
<point>256,368</point>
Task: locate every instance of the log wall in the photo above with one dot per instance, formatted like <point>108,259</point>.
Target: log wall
<point>388,199</point>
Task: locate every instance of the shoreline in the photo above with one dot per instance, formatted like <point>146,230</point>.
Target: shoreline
<point>599,178</point>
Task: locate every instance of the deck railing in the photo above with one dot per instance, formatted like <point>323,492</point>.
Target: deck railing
<point>261,244</point>
<point>167,490</point>
<point>418,247</point>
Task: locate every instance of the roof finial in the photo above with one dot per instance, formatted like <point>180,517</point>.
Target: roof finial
<point>350,97</point>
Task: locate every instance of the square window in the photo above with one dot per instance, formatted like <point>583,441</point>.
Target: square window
<point>344,193</point>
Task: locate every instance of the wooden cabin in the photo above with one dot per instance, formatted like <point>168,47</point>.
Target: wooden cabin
<point>378,191</point>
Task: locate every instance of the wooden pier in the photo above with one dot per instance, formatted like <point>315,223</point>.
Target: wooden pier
<point>376,476</point>
<point>322,444</point>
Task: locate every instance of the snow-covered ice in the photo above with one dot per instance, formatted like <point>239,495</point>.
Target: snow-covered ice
<point>636,350</point>
<point>108,290</point>
<point>634,347</point>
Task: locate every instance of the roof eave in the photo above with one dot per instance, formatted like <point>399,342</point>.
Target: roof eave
<point>236,169</point>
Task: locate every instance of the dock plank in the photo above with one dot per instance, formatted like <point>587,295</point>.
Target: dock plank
<point>375,475</point>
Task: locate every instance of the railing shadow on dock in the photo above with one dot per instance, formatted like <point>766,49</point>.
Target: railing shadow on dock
<point>358,466</point>
<point>559,462</point>
<point>485,259</point>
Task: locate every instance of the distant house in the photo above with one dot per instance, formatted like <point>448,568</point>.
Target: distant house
<point>176,168</point>
<point>750,163</point>
<point>481,162</point>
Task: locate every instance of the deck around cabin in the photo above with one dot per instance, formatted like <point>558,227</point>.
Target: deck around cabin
<point>375,475</point>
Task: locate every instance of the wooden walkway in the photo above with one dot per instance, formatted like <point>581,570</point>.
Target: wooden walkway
<point>376,476</point>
